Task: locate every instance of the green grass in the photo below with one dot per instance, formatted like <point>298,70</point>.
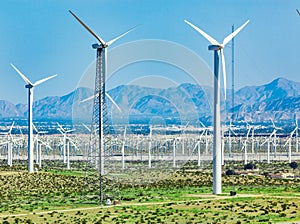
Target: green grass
<point>183,197</point>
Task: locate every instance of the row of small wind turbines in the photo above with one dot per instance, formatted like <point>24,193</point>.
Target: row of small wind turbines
<point>234,139</point>
<point>37,142</point>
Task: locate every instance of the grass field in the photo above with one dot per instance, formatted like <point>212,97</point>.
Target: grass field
<point>55,195</point>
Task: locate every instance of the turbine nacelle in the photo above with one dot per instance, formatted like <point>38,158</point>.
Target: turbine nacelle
<point>28,86</point>
<point>215,47</point>
<point>98,46</point>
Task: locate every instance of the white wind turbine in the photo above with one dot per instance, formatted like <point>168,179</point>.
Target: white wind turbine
<point>64,133</point>
<point>38,143</point>
<point>9,143</point>
<point>230,130</point>
<point>30,86</point>
<point>245,145</point>
<point>289,141</point>
<point>149,147</point>
<point>268,140</point>
<point>123,148</point>
<point>216,47</point>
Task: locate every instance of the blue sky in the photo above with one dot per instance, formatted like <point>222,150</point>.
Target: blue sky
<point>41,38</point>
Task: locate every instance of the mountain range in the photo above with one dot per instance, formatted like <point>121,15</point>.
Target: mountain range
<point>279,99</point>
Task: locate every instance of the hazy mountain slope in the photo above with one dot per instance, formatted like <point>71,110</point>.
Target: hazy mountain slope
<point>279,99</point>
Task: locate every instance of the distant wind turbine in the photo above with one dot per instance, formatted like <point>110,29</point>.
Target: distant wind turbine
<point>30,86</point>
<point>216,47</point>
<point>289,141</point>
<point>64,132</point>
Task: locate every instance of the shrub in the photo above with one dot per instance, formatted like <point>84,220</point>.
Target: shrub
<point>294,165</point>
<point>249,166</point>
<point>229,172</point>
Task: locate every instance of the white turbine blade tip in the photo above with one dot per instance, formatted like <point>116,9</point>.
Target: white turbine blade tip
<point>209,38</point>
<point>232,35</point>
<point>87,99</point>
<point>114,103</point>
<point>87,28</point>
<point>43,80</point>
<point>22,75</point>
<point>120,36</point>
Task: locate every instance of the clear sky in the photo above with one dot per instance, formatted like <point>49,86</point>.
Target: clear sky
<point>41,38</point>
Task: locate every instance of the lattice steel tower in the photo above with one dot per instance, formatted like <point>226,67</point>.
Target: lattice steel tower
<point>100,126</point>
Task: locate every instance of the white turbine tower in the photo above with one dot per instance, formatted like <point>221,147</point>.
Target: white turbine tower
<point>216,47</point>
<point>30,86</point>
<point>289,141</point>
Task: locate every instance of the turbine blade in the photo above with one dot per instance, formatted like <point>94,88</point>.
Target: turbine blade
<point>43,80</point>
<point>72,143</point>
<point>233,131</point>
<point>89,98</point>
<point>114,103</point>
<point>224,72</point>
<point>3,143</point>
<point>298,12</point>
<point>202,124</point>
<point>292,133</point>
<point>11,127</point>
<point>34,127</point>
<point>273,133</point>
<point>232,35</point>
<point>248,132</point>
<point>209,38</point>
<point>118,37</point>
<point>60,127</point>
<point>273,123</point>
<point>22,75</point>
<point>60,131</point>
<point>88,29</point>
<point>84,125</point>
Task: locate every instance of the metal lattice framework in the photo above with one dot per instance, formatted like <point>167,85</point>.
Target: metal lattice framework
<point>100,126</point>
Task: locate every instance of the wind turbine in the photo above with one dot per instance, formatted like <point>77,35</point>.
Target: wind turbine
<point>64,132</point>
<point>30,86</point>
<point>245,144</point>
<point>123,148</point>
<point>9,143</point>
<point>230,130</point>
<point>99,99</point>
<point>289,141</point>
<point>216,47</point>
<point>275,138</point>
<point>149,147</point>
